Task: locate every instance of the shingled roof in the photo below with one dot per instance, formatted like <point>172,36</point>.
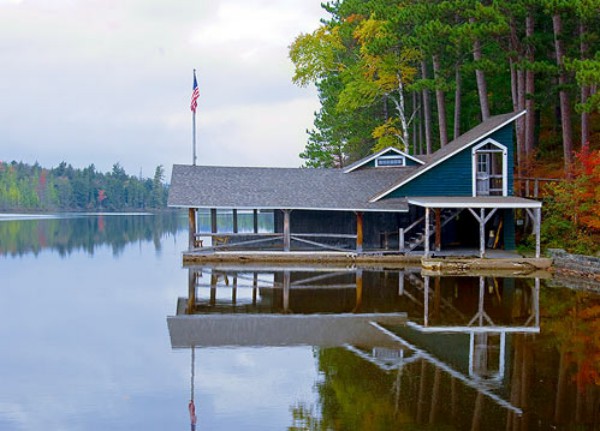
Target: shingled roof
<point>283,188</point>
<point>477,133</point>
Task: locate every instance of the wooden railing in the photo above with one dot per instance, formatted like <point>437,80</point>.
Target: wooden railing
<point>532,187</point>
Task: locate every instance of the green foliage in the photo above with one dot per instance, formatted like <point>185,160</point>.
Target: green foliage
<point>373,51</point>
<point>33,188</point>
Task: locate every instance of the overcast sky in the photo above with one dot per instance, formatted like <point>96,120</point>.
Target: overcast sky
<point>107,81</point>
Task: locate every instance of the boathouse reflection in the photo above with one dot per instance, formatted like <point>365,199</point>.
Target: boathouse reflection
<point>469,329</point>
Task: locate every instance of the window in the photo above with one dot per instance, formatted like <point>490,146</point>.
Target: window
<point>385,161</point>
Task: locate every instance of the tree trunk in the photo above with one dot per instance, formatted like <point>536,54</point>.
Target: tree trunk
<point>457,102</point>
<point>426,110</point>
<point>401,109</point>
<point>481,82</point>
<point>415,121</point>
<point>514,92</point>
<point>440,98</point>
<point>517,76</point>
<point>565,107</point>
<point>585,89</point>
<point>529,89</point>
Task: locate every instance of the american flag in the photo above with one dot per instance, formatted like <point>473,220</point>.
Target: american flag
<point>195,94</point>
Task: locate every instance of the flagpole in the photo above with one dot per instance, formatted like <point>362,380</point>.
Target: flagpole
<point>194,137</point>
<point>194,130</point>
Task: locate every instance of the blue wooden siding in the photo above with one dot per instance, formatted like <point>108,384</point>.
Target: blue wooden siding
<point>454,176</point>
<point>451,178</point>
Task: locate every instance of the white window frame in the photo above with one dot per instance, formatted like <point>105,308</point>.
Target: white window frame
<point>504,164</point>
<point>392,157</point>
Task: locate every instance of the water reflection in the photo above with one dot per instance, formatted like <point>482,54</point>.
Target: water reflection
<point>397,348</point>
<point>66,233</point>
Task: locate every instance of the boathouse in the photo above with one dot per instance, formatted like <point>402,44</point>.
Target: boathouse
<point>461,196</point>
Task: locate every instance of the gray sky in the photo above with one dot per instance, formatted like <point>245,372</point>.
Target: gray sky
<point>106,81</point>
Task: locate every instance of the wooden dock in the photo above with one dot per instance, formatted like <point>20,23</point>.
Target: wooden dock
<point>458,261</point>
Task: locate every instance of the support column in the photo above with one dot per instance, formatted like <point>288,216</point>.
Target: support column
<point>482,233</point>
<point>235,220</point>
<point>286,291</point>
<point>286,230</point>
<point>213,220</point>
<point>538,227</point>
<point>438,229</point>
<point>359,232</point>
<point>191,302</point>
<point>254,288</point>
<point>426,241</point>
<point>255,220</point>
<point>234,290</point>
<point>426,301</point>
<point>359,290</point>
<point>192,232</point>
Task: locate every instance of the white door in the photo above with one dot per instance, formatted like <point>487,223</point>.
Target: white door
<point>483,174</point>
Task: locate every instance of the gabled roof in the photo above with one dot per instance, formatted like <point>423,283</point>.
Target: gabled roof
<point>372,157</point>
<point>465,140</point>
<point>283,188</point>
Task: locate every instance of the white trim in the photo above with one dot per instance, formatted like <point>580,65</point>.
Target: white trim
<point>379,153</point>
<point>443,159</point>
<point>248,208</point>
<point>500,202</point>
<point>504,164</point>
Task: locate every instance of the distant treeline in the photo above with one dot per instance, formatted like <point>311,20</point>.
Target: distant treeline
<point>32,187</point>
<point>87,233</point>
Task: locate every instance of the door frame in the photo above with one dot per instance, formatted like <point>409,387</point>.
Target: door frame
<point>504,150</point>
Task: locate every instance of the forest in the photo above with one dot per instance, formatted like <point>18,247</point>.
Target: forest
<point>25,187</point>
<point>415,74</point>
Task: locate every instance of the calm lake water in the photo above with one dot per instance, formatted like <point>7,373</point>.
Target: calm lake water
<point>103,329</point>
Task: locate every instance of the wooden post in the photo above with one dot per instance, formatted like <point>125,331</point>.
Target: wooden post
<point>234,290</point>
<point>213,290</point>
<point>359,232</point>
<point>235,220</point>
<point>191,302</point>
<point>438,229</point>
<point>426,240</point>
<point>400,283</point>
<point>359,290</point>
<point>537,227</point>
<point>255,220</point>
<point>426,302</point>
<point>213,220</point>
<point>192,223</point>
<point>286,291</point>
<point>482,233</point>
<point>254,288</point>
<point>286,230</point>
<point>401,240</point>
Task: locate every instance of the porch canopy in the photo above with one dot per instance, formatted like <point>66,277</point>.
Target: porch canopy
<point>487,206</point>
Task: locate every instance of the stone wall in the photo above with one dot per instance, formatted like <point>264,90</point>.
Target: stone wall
<point>575,262</point>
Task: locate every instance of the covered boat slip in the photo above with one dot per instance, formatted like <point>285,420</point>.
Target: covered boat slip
<point>370,233</point>
<point>389,204</point>
<point>482,208</point>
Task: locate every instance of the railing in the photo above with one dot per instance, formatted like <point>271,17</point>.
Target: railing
<point>532,187</point>
<point>221,241</point>
<point>404,231</point>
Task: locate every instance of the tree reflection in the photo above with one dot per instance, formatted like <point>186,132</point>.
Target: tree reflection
<point>551,378</point>
<point>67,233</point>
